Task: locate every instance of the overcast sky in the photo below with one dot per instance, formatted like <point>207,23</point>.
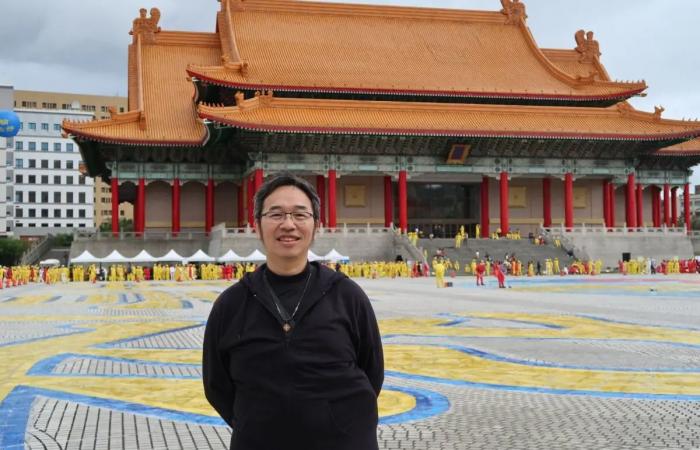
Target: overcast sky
<point>81,46</point>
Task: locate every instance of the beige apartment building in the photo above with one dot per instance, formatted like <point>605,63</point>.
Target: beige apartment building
<point>98,105</point>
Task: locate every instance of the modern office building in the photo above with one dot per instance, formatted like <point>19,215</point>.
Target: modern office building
<point>99,106</point>
<point>5,103</point>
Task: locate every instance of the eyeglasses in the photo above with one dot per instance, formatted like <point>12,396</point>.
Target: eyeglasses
<point>280,216</point>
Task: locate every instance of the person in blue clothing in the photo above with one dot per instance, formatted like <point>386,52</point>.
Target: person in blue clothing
<point>292,355</point>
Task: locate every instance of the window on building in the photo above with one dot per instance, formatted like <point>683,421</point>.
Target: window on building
<point>19,145</point>
<point>56,213</point>
<point>90,108</point>
<point>44,146</point>
<point>32,163</point>
<point>45,127</point>
<point>57,146</point>
<point>69,225</point>
<point>69,179</point>
<point>32,125</point>
<point>70,164</point>
<point>44,179</point>
<point>81,197</point>
<point>19,179</point>
<point>31,179</point>
<point>32,225</point>
<point>19,197</point>
<point>32,212</point>
<point>121,109</point>
<point>28,104</point>
<point>45,213</point>
<point>44,197</point>
<point>32,146</point>
<point>81,213</point>
<point>56,179</point>
<point>57,197</point>
<point>69,197</point>
<point>19,213</point>
<point>31,197</point>
<point>69,213</point>
<point>121,213</point>
<point>57,164</point>
<point>19,163</point>
<point>81,179</point>
<point>44,163</point>
<point>69,147</point>
<point>57,127</point>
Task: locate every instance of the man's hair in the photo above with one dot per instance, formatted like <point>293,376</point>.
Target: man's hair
<point>286,179</point>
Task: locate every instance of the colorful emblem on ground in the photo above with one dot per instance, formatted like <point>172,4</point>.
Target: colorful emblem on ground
<point>136,349</point>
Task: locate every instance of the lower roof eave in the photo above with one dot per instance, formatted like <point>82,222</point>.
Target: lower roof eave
<point>137,142</point>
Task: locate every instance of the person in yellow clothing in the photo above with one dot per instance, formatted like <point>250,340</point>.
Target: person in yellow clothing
<point>477,232</point>
<point>439,268</point>
<point>556,266</point>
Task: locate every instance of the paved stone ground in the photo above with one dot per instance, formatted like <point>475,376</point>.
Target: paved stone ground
<point>578,363</point>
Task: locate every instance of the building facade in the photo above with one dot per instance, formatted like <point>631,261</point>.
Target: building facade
<point>99,106</point>
<point>5,104</point>
<point>416,117</point>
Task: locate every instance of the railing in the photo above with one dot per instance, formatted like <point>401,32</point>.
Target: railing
<point>36,250</point>
<point>344,230</point>
<point>131,235</point>
<point>613,231</point>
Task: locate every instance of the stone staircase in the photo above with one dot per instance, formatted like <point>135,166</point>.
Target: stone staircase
<point>523,249</point>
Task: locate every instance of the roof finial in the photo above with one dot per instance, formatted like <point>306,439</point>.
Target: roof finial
<point>658,110</point>
<point>587,46</point>
<point>146,27</point>
<point>515,10</point>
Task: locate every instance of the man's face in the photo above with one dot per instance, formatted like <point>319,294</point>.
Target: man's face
<point>288,239</point>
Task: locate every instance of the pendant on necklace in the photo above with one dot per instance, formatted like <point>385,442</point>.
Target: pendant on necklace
<point>286,327</point>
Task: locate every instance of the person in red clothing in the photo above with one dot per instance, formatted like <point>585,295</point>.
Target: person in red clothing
<point>480,271</point>
<point>500,276</point>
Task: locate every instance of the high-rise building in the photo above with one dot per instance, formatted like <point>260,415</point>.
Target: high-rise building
<point>99,107</point>
<point>5,103</point>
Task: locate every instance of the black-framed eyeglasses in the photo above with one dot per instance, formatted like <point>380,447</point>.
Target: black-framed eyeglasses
<point>281,216</point>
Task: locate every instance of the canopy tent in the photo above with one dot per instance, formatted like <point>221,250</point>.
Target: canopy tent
<point>200,256</point>
<point>314,257</point>
<point>85,258</point>
<point>114,257</point>
<point>334,256</point>
<point>230,256</point>
<point>171,256</point>
<point>49,262</point>
<point>143,257</point>
<point>257,255</point>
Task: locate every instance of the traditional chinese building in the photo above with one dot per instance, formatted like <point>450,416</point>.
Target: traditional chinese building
<point>413,116</point>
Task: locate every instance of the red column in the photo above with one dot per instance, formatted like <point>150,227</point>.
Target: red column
<point>606,203</point>
<point>547,202</point>
<point>258,179</point>
<point>240,214</point>
<point>654,206</point>
<point>141,202</point>
<point>209,205</point>
<point>568,200</point>
<point>686,206</point>
<point>403,201</point>
<point>485,207</point>
<point>331,199</point>
<point>674,206</point>
<point>115,206</point>
<point>640,205</point>
<point>631,203</point>
<point>667,205</point>
<point>175,228</point>
<point>505,225</point>
<point>388,201</point>
<point>321,191</point>
<point>250,186</point>
<point>612,203</point>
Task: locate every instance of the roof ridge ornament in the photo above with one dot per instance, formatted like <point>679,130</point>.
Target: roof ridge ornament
<point>625,108</point>
<point>146,27</point>
<point>238,66</point>
<point>515,10</point>
<point>588,47</point>
<point>236,5</point>
<point>264,97</point>
<point>658,110</point>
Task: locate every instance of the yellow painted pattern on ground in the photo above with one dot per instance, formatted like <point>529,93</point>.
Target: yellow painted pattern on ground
<point>101,299</point>
<point>156,300</point>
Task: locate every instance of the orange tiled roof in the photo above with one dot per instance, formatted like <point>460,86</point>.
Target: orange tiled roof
<point>689,148</point>
<point>267,113</point>
<point>569,61</point>
<point>160,95</point>
<point>334,47</point>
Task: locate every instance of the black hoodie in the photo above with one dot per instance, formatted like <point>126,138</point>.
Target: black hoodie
<point>315,387</point>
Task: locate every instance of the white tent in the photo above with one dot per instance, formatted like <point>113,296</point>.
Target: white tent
<point>171,256</point>
<point>314,257</point>
<point>114,257</point>
<point>230,256</point>
<point>255,256</point>
<point>49,262</point>
<point>143,257</point>
<point>334,256</point>
<point>200,256</point>
<point>85,258</point>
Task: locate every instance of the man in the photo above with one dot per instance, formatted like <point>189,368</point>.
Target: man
<point>292,354</point>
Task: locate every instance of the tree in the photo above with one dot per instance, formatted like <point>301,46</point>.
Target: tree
<point>124,225</point>
<point>11,251</point>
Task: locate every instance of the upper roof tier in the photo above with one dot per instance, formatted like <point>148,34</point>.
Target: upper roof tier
<point>338,48</point>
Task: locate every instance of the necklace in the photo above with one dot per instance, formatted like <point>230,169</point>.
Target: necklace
<point>287,318</point>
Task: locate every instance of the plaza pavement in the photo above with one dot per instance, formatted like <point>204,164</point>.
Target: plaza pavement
<point>605,362</point>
